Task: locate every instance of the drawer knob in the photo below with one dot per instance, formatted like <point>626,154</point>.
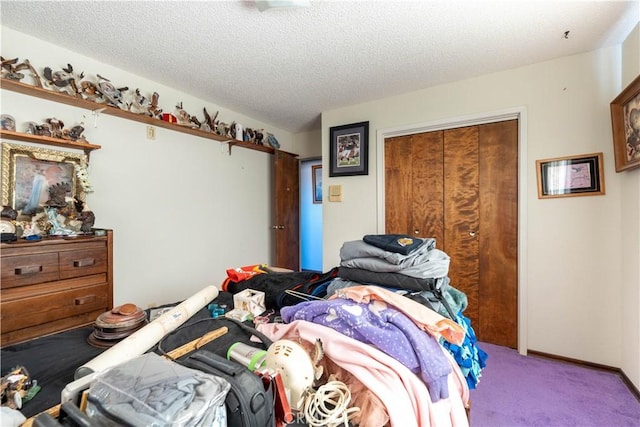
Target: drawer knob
<point>30,269</point>
<point>84,262</point>
<point>85,300</point>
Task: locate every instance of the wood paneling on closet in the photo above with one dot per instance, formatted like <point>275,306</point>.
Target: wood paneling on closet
<point>459,186</point>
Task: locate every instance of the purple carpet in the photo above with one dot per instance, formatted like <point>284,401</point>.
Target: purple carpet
<point>525,391</point>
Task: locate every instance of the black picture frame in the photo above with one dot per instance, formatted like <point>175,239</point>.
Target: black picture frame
<point>568,176</point>
<point>349,149</point>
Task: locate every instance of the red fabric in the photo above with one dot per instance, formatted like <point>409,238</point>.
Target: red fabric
<point>243,273</point>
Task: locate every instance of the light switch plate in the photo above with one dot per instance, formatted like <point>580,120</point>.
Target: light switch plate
<point>335,193</point>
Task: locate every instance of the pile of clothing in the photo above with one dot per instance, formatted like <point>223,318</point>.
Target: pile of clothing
<point>416,269</point>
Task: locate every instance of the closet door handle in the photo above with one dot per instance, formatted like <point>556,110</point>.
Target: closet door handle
<point>416,232</point>
<point>473,233</point>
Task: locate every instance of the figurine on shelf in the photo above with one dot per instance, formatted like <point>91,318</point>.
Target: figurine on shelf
<point>248,135</point>
<point>209,124</point>
<point>41,130</point>
<point>88,218</point>
<point>89,91</point>
<point>58,195</point>
<point>9,213</point>
<point>74,134</point>
<point>272,141</point>
<point>152,109</point>
<point>57,229</point>
<point>232,130</point>
<point>56,127</point>
<point>7,122</point>
<point>140,103</point>
<point>112,95</point>
<point>184,118</point>
<point>259,136</point>
<point>11,70</point>
<point>63,80</point>
<point>222,129</point>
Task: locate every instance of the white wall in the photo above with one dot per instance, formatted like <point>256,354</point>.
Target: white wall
<point>572,278</point>
<point>630,233</point>
<point>182,209</point>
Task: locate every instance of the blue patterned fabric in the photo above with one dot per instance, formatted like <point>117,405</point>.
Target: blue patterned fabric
<point>471,358</point>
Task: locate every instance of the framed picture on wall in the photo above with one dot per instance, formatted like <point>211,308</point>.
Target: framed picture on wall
<point>349,149</point>
<point>581,175</point>
<point>316,181</point>
<point>29,172</point>
<point>625,122</point>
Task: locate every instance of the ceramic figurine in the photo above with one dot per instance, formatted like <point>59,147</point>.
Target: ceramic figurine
<point>7,122</point>
<point>210,122</point>
<point>58,194</point>
<point>184,119</point>
<point>11,70</point>
<point>232,130</point>
<point>139,104</point>
<point>74,134</point>
<point>259,135</point>
<point>152,109</point>
<point>8,212</point>
<point>112,95</point>
<point>63,80</point>
<point>88,218</point>
<point>57,229</point>
<point>248,135</point>
<point>89,91</point>
<point>272,141</point>
<point>56,127</point>
<point>222,129</point>
<point>43,130</point>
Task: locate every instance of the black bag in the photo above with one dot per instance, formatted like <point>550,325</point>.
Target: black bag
<point>248,403</point>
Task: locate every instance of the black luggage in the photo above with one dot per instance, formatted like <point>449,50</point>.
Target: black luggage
<point>250,401</point>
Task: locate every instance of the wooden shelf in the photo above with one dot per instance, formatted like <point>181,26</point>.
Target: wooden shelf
<point>27,137</point>
<point>67,99</point>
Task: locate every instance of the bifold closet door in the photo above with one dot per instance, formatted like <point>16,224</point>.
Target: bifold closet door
<point>461,214</point>
<point>459,186</point>
<point>498,160</point>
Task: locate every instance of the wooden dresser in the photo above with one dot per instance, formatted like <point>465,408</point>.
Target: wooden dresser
<point>54,285</point>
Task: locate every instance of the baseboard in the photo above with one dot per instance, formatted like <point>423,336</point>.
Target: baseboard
<point>625,379</point>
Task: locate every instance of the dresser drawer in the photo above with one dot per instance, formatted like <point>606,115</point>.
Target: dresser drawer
<point>22,270</point>
<point>83,263</point>
<point>31,311</point>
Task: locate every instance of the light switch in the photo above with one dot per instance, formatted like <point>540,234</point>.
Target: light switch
<point>335,193</point>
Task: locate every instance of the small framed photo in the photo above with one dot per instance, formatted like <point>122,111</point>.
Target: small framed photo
<point>570,176</point>
<point>625,122</point>
<point>316,180</point>
<point>349,149</point>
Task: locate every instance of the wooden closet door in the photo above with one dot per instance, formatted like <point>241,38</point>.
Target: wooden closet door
<point>461,188</point>
<point>427,212</point>
<point>413,193</point>
<point>398,184</point>
<point>498,286</point>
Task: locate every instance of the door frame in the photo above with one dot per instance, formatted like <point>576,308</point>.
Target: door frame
<point>518,113</point>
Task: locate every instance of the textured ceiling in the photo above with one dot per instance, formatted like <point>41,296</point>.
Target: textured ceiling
<point>286,66</point>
